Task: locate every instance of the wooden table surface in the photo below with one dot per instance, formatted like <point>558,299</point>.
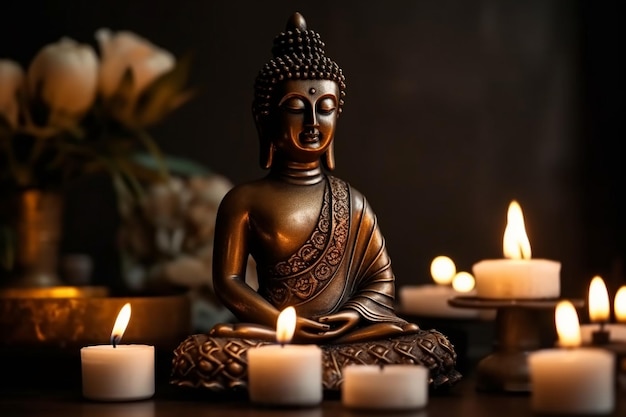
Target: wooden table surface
<point>461,400</point>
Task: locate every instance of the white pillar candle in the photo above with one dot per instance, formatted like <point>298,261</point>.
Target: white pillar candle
<point>571,380</point>
<point>391,387</point>
<point>121,373</point>
<point>285,374</point>
<point>517,276</point>
<point>118,372</point>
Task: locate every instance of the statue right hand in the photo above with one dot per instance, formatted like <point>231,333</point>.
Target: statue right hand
<point>304,325</point>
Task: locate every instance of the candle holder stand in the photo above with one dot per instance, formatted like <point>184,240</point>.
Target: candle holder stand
<point>520,328</point>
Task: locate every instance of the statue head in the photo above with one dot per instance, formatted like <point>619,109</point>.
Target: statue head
<point>298,55</point>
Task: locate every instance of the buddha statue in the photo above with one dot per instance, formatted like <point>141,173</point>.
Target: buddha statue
<point>315,240</point>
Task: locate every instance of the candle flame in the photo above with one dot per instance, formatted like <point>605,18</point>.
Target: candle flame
<point>123,317</point>
<point>620,304</point>
<point>515,242</point>
<point>599,305</point>
<point>442,269</point>
<point>463,282</point>
<point>286,325</point>
<point>567,324</point>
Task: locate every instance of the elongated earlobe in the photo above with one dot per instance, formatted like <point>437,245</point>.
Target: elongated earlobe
<point>329,158</point>
<point>266,151</point>
<point>267,156</point>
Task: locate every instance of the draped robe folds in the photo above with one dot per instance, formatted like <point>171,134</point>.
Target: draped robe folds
<point>343,264</point>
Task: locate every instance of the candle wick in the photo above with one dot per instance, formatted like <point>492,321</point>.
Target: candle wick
<point>381,366</point>
<point>115,340</point>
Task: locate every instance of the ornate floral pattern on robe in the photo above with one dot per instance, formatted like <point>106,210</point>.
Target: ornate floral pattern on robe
<point>343,264</point>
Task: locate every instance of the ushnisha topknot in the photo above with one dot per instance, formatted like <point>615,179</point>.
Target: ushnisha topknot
<point>298,54</point>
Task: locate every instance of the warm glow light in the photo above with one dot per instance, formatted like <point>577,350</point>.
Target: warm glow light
<point>619,305</point>
<point>463,282</point>
<point>599,305</point>
<point>123,317</point>
<point>567,325</point>
<point>442,269</point>
<point>286,325</point>
<point>515,242</point>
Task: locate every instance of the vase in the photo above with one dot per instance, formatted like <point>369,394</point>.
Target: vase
<point>34,217</point>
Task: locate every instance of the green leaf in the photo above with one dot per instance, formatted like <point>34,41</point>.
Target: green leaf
<point>176,165</point>
<point>118,104</point>
<point>155,151</point>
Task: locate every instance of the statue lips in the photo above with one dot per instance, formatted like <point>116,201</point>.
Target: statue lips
<point>310,137</point>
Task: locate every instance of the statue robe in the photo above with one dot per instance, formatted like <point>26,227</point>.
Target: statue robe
<point>342,265</point>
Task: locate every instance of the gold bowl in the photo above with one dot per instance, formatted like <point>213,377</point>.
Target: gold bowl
<point>67,318</point>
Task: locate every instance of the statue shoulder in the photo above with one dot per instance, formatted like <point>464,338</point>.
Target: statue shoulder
<point>237,200</point>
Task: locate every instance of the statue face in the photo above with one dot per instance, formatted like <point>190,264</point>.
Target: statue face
<point>307,118</point>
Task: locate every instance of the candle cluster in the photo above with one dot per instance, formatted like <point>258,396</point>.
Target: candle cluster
<point>432,300</point>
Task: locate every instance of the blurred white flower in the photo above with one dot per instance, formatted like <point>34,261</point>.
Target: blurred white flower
<point>130,64</point>
<point>11,80</point>
<point>64,77</point>
<point>124,50</point>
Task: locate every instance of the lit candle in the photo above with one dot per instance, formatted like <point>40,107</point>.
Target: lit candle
<point>599,310</point>
<point>601,332</point>
<point>389,387</point>
<point>118,372</point>
<point>619,304</point>
<point>517,276</point>
<point>571,380</point>
<point>432,300</point>
<point>285,374</point>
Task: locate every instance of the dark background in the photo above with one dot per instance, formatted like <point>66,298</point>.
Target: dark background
<point>453,109</point>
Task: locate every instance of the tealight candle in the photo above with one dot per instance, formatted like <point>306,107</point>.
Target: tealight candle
<point>599,310</point>
<point>600,331</point>
<point>517,276</point>
<point>571,380</point>
<point>389,387</point>
<point>285,374</point>
<point>432,300</point>
<point>118,372</point>
<point>619,304</point>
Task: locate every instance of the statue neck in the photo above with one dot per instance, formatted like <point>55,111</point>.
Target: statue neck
<point>299,173</point>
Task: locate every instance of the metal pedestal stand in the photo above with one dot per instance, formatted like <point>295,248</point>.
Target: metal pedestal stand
<point>518,332</point>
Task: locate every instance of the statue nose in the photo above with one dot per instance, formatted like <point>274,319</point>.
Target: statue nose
<point>311,119</point>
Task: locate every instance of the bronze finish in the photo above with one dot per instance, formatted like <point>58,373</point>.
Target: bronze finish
<point>220,364</point>
<point>518,332</point>
<point>314,237</point>
<point>35,217</point>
